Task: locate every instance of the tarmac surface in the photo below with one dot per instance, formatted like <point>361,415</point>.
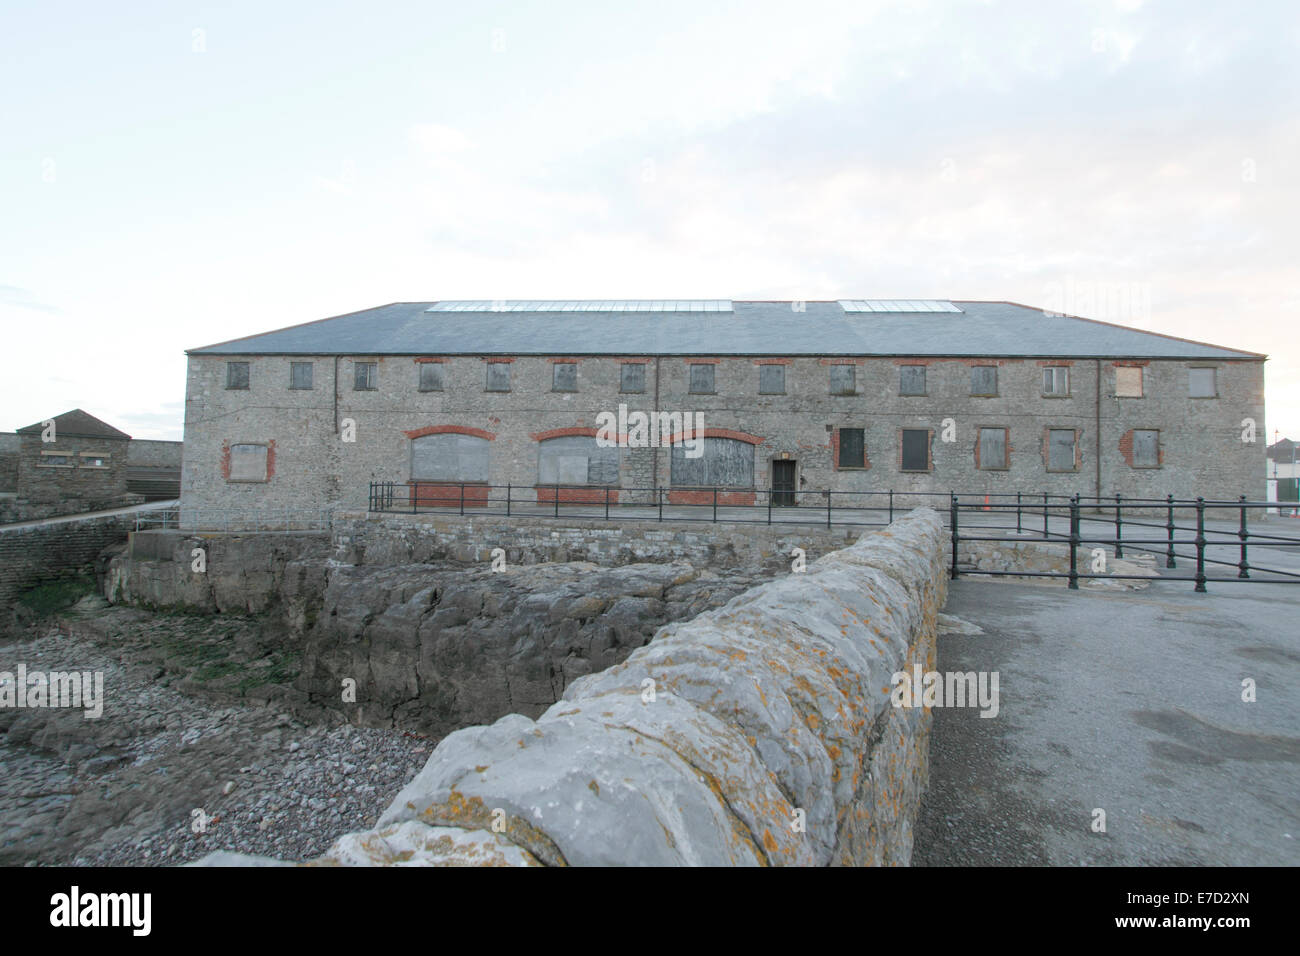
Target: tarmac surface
<point>1129,702</point>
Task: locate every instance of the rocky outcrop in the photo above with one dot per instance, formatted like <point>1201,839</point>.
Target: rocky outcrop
<point>434,650</point>
<point>758,733</point>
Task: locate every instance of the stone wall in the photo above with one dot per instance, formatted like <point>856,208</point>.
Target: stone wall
<point>36,554</point>
<point>10,442</point>
<point>468,539</point>
<point>154,454</point>
<point>758,733</point>
<point>1200,438</point>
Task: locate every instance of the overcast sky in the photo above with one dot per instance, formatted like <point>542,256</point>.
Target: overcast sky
<point>175,174</point>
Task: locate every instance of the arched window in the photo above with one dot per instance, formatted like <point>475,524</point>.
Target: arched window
<point>449,457</point>
<point>576,460</point>
<point>725,463</point>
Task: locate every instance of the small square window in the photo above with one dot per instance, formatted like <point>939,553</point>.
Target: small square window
<point>300,374</point>
<point>1146,448</point>
<point>430,377</point>
<point>844,380</point>
<point>564,377</point>
<point>1061,449</point>
<point>367,376</point>
<point>236,375</point>
<point>1056,380</point>
<point>92,459</point>
<point>1128,381</point>
<point>992,449</point>
<point>911,380</point>
<point>248,463</point>
<point>771,380</point>
<point>1201,383</point>
<point>984,380</point>
<point>916,449</point>
<point>632,377</point>
<point>702,379</point>
<point>498,376</point>
<point>852,448</point>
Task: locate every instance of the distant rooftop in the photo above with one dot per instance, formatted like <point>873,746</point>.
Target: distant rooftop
<point>883,327</point>
<point>77,424</point>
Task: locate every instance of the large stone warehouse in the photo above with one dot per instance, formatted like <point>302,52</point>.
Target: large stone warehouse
<point>854,395</point>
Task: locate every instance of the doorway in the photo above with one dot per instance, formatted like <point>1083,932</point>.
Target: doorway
<point>783,484</point>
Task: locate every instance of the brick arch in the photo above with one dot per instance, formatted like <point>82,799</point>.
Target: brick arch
<point>721,433</point>
<point>449,430</point>
<point>565,433</point>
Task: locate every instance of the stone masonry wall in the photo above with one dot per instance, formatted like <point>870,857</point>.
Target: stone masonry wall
<point>1200,438</point>
<point>759,733</point>
<point>33,555</point>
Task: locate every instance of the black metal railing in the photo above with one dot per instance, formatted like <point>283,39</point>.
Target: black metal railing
<point>1224,543</point>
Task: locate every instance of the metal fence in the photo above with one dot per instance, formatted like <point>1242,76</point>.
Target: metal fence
<point>229,519</point>
<point>1225,543</point>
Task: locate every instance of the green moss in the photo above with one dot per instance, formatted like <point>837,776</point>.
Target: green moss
<point>54,596</point>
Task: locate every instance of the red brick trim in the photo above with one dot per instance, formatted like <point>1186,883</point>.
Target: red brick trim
<point>702,497</point>
<point>564,432</point>
<point>446,494</point>
<point>1131,363</point>
<point>773,361</point>
<point>423,359</point>
<point>594,495</point>
<point>449,430</point>
<point>270,459</point>
<point>1047,442</point>
<point>563,360</point>
<point>490,359</point>
<point>703,361</point>
<point>1053,363</point>
<point>1126,448</point>
<point>719,433</point>
<point>634,361</point>
<point>835,452</point>
<point>841,361</point>
<point>911,361</point>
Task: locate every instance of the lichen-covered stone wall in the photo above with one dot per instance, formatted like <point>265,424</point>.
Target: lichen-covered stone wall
<point>758,733</point>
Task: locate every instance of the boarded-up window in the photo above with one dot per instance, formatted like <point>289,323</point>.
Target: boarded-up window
<point>1201,384</point>
<point>564,377</point>
<point>367,376</point>
<point>1128,381</point>
<point>430,377</point>
<point>300,374</point>
<point>1061,449</point>
<point>449,457</point>
<point>93,459</point>
<point>911,380</point>
<point>916,449</point>
<point>993,448</point>
<point>843,380</point>
<point>726,463</point>
<point>498,376</point>
<point>1056,380</point>
<point>236,375</point>
<point>632,378</point>
<point>701,379</point>
<point>984,380</point>
<point>576,460</point>
<point>248,463</point>
<point>771,380</point>
<point>1146,448</point>
<point>54,460</point>
<point>852,449</point>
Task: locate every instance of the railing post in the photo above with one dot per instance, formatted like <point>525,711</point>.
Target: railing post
<point>415,496</point>
<point>557,501</point>
<point>462,497</point>
<point>607,502</point>
<point>507,499</point>
<point>1119,529</point>
<point>715,505</point>
<point>828,509</point>
<point>769,506</point>
<point>1074,543</point>
<point>1243,569</point>
<point>891,505</point>
<point>1045,535</point>
<point>1200,545</point>
<point>952,521</point>
<point>659,498</point>
<point>1169,528</point>
<point>1017,512</point>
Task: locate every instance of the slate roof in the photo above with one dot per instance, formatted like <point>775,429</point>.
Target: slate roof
<point>1002,329</point>
<point>78,424</point>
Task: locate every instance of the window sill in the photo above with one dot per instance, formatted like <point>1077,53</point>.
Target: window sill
<point>424,390</point>
<point>916,471</point>
<point>984,395</point>
<point>913,394</point>
<point>237,388</point>
<point>1054,395</point>
<point>248,481</point>
<point>301,388</point>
